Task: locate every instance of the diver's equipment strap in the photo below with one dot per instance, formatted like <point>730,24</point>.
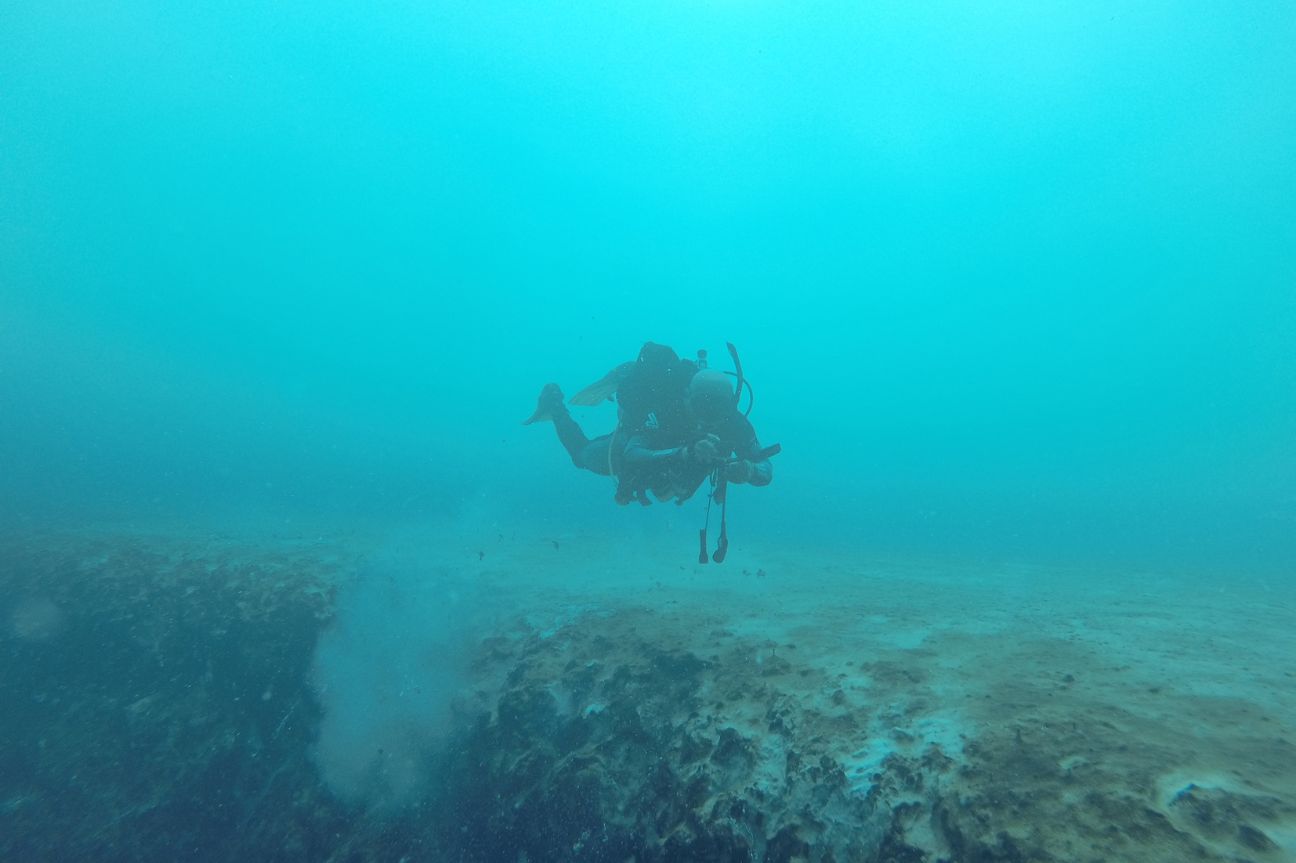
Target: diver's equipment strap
<point>702,539</point>
<point>718,487</point>
<point>722,547</point>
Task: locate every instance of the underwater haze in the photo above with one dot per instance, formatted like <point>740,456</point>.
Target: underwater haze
<point>1006,277</point>
<point>284,575</point>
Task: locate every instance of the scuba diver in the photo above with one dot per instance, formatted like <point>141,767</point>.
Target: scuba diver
<point>678,423</point>
<point>712,436</point>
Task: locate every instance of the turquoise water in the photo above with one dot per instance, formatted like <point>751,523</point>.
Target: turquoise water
<point>284,576</point>
<point>1009,279</point>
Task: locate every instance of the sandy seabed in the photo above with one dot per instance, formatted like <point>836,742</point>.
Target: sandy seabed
<point>626,704</point>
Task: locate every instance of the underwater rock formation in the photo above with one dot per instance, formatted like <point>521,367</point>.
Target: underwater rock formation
<point>160,708</point>
<point>603,748</point>
<point>158,704</point>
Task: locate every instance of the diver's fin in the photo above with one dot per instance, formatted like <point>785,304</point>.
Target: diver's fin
<point>550,402</point>
<point>603,388</point>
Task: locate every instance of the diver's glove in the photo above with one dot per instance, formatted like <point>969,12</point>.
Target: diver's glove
<point>738,470</point>
<point>706,452</point>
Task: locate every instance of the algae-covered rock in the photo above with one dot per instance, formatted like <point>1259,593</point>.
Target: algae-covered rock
<point>156,702</point>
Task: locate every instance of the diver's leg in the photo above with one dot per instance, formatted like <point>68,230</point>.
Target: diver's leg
<point>587,454</point>
<point>594,457</point>
<point>570,435</point>
<point>591,455</point>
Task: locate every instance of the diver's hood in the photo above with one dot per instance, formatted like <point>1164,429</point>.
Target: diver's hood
<point>711,397</point>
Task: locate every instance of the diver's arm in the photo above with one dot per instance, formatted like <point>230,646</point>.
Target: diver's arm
<point>638,454</point>
<point>760,471</point>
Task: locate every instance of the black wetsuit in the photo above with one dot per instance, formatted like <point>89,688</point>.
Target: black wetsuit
<point>586,453</point>
<point>653,458</point>
<point>656,459</point>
